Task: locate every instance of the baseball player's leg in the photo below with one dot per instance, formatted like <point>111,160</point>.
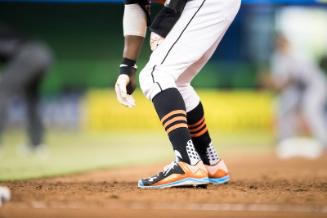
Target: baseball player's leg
<point>217,170</point>
<point>203,20</point>
<point>8,49</point>
<point>314,112</point>
<point>4,95</point>
<point>40,59</point>
<point>287,118</point>
<point>20,71</point>
<point>189,96</point>
<point>216,167</point>
<point>35,129</point>
<point>289,103</point>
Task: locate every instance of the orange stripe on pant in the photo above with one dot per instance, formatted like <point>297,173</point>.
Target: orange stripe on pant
<point>197,123</point>
<point>172,113</point>
<point>176,126</point>
<point>179,118</point>
<point>198,128</point>
<point>195,135</point>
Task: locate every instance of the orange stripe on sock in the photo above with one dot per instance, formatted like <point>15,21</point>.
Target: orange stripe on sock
<point>198,128</point>
<point>180,125</point>
<point>197,123</point>
<point>200,133</point>
<point>179,118</point>
<point>171,114</point>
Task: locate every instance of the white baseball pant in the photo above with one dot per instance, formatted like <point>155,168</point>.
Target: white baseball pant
<point>187,48</point>
<point>314,103</point>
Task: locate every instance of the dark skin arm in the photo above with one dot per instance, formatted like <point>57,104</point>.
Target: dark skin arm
<point>132,47</point>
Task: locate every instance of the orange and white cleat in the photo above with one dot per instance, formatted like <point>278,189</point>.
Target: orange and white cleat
<point>177,174</point>
<point>218,173</point>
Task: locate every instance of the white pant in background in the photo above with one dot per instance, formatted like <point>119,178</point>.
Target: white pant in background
<point>311,103</point>
<point>314,111</point>
<point>187,48</point>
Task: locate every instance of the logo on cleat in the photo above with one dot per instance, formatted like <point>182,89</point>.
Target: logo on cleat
<point>178,156</point>
<point>151,179</point>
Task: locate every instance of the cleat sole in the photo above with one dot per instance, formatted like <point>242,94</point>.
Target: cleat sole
<point>219,181</point>
<point>181,183</point>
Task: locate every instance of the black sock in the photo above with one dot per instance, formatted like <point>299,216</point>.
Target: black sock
<point>170,107</point>
<point>200,136</point>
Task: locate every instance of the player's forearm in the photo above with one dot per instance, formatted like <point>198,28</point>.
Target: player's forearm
<point>132,47</point>
<point>167,17</point>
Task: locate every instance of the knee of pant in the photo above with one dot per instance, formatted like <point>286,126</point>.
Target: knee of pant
<point>153,82</point>
<point>191,98</point>
<point>38,55</point>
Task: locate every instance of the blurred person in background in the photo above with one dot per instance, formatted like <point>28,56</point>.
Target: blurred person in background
<point>323,64</point>
<point>302,89</point>
<point>24,65</point>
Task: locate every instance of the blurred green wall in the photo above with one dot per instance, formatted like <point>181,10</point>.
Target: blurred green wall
<point>86,40</point>
<point>87,43</point>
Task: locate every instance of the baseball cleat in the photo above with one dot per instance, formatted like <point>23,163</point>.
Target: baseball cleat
<point>177,174</point>
<point>218,173</point>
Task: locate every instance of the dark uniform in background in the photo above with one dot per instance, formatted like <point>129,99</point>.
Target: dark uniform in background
<point>323,63</point>
<point>25,63</point>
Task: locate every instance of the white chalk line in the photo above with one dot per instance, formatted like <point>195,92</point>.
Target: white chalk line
<point>236,207</point>
<point>226,207</point>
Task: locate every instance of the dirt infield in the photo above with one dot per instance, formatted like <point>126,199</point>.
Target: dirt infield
<point>262,186</point>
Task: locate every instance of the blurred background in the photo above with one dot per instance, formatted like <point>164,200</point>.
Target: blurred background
<point>86,128</point>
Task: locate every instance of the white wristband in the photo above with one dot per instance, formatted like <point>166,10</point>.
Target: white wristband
<point>134,21</point>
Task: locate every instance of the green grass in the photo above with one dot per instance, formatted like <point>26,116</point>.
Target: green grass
<point>73,152</point>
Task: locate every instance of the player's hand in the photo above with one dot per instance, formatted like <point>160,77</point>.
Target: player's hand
<point>121,91</point>
<point>155,40</point>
